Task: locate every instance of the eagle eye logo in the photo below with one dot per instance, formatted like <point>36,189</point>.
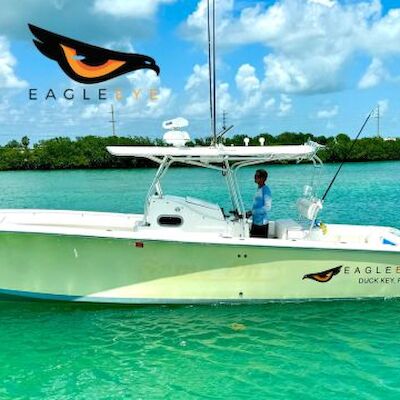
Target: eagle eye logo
<point>324,276</point>
<point>86,63</point>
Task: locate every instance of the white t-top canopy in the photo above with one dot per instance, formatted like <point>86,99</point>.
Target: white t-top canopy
<point>219,153</point>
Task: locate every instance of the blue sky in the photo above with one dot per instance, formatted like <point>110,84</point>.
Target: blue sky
<point>301,65</point>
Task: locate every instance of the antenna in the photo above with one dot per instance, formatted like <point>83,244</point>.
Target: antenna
<point>209,64</point>
<point>211,67</point>
<point>214,79</point>
<point>222,133</point>
<point>225,128</point>
<point>113,121</point>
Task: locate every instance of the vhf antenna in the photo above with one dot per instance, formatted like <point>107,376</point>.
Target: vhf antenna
<point>211,68</point>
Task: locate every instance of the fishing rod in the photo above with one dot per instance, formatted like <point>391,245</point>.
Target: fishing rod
<point>348,154</point>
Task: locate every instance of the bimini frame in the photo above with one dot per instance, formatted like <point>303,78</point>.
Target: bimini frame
<point>227,160</point>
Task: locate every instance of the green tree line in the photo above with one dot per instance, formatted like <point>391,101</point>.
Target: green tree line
<point>90,151</point>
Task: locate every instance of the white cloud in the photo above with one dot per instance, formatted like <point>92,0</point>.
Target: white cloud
<point>309,42</point>
<point>250,88</point>
<point>145,98</point>
<point>154,99</point>
<point>374,75</point>
<point>225,101</point>
<point>198,108</point>
<point>123,44</point>
<point>269,103</point>
<point>64,103</point>
<point>129,8</point>
<point>8,79</point>
<point>198,77</point>
<point>383,107</point>
<point>92,110</point>
<point>291,75</point>
<point>195,27</point>
<point>285,105</point>
<point>197,93</point>
<point>250,97</point>
<point>246,79</point>
<point>78,19</point>
<point>382,36</point>
<point>328,113</point>
<point>326,3</point>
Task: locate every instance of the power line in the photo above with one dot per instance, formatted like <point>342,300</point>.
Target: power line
<point>113,121</point>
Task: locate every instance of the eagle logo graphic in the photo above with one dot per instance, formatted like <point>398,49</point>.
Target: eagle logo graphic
<point>323,276</point>
<point>86,63</point>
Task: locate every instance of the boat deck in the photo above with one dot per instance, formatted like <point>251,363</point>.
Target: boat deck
<point>126,226</point>
<point>88,220</point>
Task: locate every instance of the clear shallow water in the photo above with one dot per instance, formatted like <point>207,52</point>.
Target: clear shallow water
<point>364,193</point>
<point>328,350</point>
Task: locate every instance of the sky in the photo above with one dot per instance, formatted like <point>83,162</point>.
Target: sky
<point>317,66</point>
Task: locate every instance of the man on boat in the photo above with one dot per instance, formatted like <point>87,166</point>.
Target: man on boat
<point>261,205</point>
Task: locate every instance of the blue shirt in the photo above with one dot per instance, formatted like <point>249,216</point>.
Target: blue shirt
<point>261,205</point>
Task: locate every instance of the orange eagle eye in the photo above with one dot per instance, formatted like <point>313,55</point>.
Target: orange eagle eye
<point>89,71</point>
<point>323,277</point>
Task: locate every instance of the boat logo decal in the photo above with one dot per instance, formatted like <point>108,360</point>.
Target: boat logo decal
<point>86,63</point>
<point>323,276</point>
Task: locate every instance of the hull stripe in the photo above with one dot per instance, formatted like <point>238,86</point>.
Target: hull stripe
<point>17,295</point>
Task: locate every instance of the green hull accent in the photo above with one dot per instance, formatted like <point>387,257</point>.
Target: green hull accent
<point>116,270</point>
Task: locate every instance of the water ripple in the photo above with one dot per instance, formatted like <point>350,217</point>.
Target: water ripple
<point>311,350</point>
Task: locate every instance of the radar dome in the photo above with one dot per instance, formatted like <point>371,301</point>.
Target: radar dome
<point>176,138</point>
<point>175,123</point>
<point>174,135</point>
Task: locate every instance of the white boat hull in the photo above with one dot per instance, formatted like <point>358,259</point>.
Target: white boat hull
<point>54,262</point>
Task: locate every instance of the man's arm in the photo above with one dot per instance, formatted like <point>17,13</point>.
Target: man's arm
<point>267,199</point>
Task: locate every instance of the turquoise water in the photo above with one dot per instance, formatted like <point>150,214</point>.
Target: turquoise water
<point>364,193</point>
<point>310,350</point>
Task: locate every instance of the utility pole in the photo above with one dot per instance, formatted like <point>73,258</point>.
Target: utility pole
<point>224,114</point>
<point>378,117</point>
<point>112,119</point>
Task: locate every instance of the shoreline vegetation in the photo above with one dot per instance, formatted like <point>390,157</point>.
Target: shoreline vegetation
<point>89,152</point>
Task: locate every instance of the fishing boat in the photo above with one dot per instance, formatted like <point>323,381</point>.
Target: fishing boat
<point>187,250</point>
